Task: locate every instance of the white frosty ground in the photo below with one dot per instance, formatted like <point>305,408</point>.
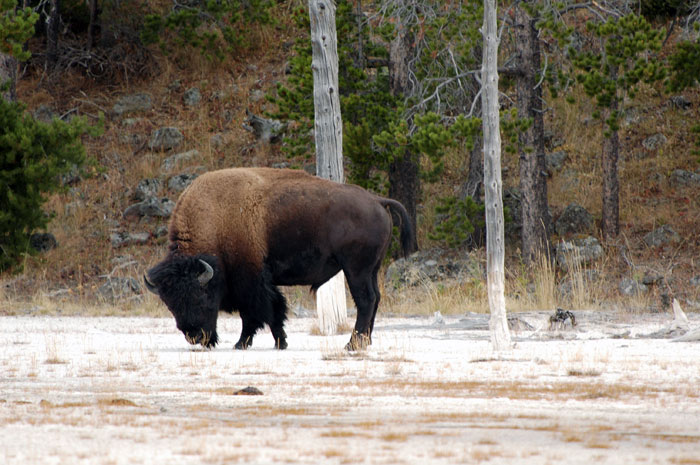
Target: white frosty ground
<point>131,391</point>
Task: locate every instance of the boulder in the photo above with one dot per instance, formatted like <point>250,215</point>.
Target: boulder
<point>174,160</point>
<point>216,141</point>
<point>123,239</point>
<point>146,188</point>
<point>166,138</point>
<point>685,178</point>
<point>44,113</point>
<point>574,220</point>
<point>43,242</point>
<point>192,97</point>
<point>119,289</point>
<point>180,182</point>
<point>661,236</point>
<point>150,208</point>
<point>268,130</point>
<point>680,102</point>
<point>570,254</point>
<point>555,161</point>
<point>132,103</point>
<point>631,287</point>
<point>434,265</point>
<point>654,142</point>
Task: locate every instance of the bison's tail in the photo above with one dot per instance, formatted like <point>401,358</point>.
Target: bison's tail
<point>408,238</point>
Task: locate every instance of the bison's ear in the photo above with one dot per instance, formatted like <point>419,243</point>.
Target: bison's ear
<point>205,277</point>
<point>149,285</point>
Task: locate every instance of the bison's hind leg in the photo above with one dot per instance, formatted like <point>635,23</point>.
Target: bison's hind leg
<point>366,296</point>
<point>279,316</point>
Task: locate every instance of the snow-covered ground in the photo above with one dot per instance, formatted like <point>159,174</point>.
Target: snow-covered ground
<point>132,391</point>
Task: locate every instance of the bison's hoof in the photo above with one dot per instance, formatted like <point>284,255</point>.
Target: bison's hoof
<point>281,344</point>
<point>243,344</point>
<point>358,342</point>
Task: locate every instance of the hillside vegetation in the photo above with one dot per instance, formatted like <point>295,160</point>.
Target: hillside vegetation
<point>71,278</point>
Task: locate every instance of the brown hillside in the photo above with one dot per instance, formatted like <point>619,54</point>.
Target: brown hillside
<point>68,278</point>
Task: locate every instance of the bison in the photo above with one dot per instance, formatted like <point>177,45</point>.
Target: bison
<point>237,234</point>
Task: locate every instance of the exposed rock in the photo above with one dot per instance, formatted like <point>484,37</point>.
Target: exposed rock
<point>431,266</point>
<point>685,178</point>
<point>192,97</point>
<point>652,279</point>
<point>130,122</point>
<point>180,182</point>
<point>630,287</point>
<point>43,242</point>
<point>166,138</point>
<point>248,391</point>
<point>146,188</point>
<point>679,101</point>
<point>578,252</point>
<point>132,103</point>
<point>174,160</point>
<point>695,281</point>
<point>119,289</point>
<point>574,220</point>
<point>654,142</point>
<point>44,113</point>
<point>268,130</point>
<point>256,95</point>
<point>123,239</point>
<point>136,141</point>
<point>661,236</point>
<point>216,141</point>
<point>161,231</point>
<point>555,161</point>
<point>72,177</point>
<point>150,207</point>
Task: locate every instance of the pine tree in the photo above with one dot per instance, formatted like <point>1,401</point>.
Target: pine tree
<point>213,27</point>
<point>610,74</point>
<point>33,155</point>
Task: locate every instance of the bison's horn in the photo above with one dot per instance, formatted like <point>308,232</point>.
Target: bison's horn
<point>207,275</point>
<point>149,285</point>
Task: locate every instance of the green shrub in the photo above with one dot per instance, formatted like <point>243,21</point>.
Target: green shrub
<point>33,156</point>
<point>212,27</point>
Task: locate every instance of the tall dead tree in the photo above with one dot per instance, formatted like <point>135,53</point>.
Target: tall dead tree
<point>8,75</point>
<point>493,201</point>
<point>328,131</point>
<point>52,27</point>
<point>533,181</point>
<point>404,181</point>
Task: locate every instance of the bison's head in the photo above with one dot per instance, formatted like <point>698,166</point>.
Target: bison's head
<point>192,288</point>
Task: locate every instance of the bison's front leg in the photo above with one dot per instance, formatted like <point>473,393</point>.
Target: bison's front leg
<point>250,327</point>
<point>358,341</point>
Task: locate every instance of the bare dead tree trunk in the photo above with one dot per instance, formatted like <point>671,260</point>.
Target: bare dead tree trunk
<point>404,182</point>
<point>8,73</point>
<point>533,182</point>
<point>94,26</point>
<point>611,182</point>
<point>52,27</point>
<point>328,124</point>
<point>495,243</point>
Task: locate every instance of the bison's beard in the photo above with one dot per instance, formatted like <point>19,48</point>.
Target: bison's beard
<point>205,338</point>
